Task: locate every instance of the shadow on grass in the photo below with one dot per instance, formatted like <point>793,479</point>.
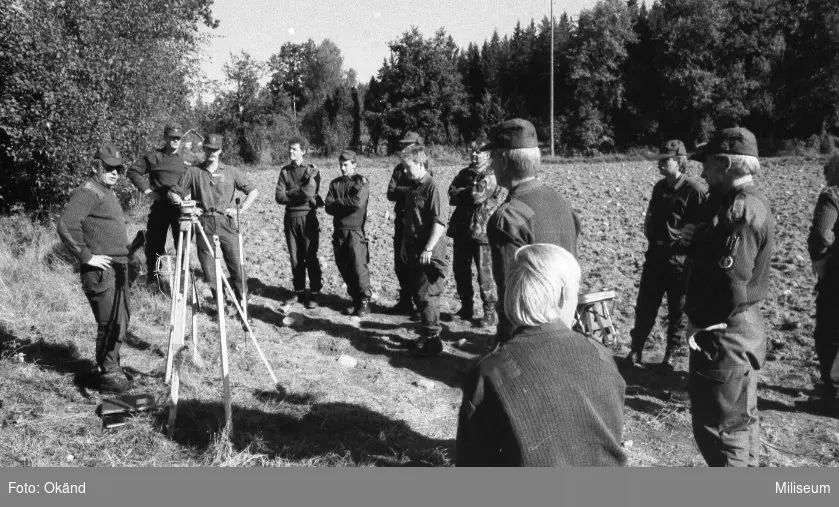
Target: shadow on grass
<point>299,429</point>
<point>257,288</point>
<point>61,358</point>
<point>651,388</point>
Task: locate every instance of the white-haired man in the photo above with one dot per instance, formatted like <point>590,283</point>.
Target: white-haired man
<point>548,396</point>
<point>728,279</point>
<point>533,212</point>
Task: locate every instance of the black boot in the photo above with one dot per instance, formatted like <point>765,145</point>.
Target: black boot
<point>362,309</point>
<point>490,318</point>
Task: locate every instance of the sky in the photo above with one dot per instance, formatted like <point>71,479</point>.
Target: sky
<point>362,28</point>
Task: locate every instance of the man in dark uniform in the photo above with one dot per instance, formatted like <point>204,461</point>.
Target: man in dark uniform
<point>397,188</point>
<point>728,279</point>
<point>823,246</point>
<point>424,247</point>
<point>298,189</point>
<point>532,213</point>
<point>676,201</point>
<point>212,185</point>
<point>153,174</point>
<point>346,201</point>
<point>93,228</point>
<point>467,247</point>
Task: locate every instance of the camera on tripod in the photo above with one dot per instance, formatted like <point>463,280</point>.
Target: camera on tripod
<point>188,208</point>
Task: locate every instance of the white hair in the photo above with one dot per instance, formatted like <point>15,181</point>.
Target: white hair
<point>520,162</point>
<point>741,165</point>
<point>540,282</point>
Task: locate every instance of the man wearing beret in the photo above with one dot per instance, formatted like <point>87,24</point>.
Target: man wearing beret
<point>92,227</point>
<point>728,279</point>
<point>212,186</point>
<point>823,247</point>
<point>469,192</point>
<point>154,174</point>
<point>532,213</point>
<point>676,201</point>
<point>346,201</point>
<point>298,189</point>
<point>397,189</point>
<point>424,248</point>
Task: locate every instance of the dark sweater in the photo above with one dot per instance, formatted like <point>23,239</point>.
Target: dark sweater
<point>346,201</point>
<point>93,224</point>
<point>670,209</point>
<point>821,243</point>
<point>297,188</point>
<point>547,397</point>
<point>158,170</point>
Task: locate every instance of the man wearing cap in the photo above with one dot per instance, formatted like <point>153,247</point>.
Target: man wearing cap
<point>346,201</point>
<point>153,174</point>
<point>823,247</point>
<point>92,227</point>
<point>676,201</point>
<point>532,213</point>
<point>397,189</point>
<point>298,189</point>
<point>424,247</point>
<point>728,279</point>
<point>469,192</point>
<point>212,185</point>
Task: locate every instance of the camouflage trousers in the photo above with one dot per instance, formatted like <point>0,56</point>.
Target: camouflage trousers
<point>466,252</point>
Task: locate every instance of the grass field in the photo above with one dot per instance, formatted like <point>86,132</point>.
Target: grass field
<point>388,409</point>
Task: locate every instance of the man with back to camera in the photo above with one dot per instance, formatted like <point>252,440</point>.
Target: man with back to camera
<point>92,227</point>
<point>822,246</point>
<point>298,189</point>
<point>347,201</point>
<point>532,213</point>
<point>153,174</point>
<point>728,279</point>
<point>676,200</point>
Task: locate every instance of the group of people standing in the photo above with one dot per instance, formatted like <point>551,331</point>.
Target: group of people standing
<point>543,394</point>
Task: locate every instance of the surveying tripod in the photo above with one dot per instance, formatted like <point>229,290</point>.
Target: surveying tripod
<point>181,292</point>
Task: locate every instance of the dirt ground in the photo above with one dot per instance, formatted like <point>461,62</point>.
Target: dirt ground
<point>348,394</point>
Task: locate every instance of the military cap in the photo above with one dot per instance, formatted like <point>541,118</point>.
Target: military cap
<point>479,142</point>
<point>512,134</point>
<point>672,148</point>
<point>109,155</point>
<point>214,142</point>
<point>347,155</point>
<point>173,130</point>
<point>730,141</point>
<point>411,137</point>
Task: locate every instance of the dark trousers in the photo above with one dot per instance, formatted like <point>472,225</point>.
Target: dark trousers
<point>222,226</point>
<point>660,276</point>
<point>352,257</point>
<point>827,334</point>
<point>302,235</point>
<point>428,281</point>
<point>107,292</point>
<point>162,217</point>
<point>466,251</point>
<point>400,267</point>
<point>723,394</point>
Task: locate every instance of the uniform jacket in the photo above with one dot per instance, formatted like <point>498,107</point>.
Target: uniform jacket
<point>730,258</point>
<point>298,188</point>
<point>821,243</point>
<point>425,204</point>
<point>461,196</point>
<point>347,200</point>
<point>158,170</point>
<point>669,210</point>
<point>93,224</point>
<point>398,186</point>
<point>547,397</point>
<point>214,191</point>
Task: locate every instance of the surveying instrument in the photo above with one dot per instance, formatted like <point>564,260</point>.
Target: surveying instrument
<point>183,289</point>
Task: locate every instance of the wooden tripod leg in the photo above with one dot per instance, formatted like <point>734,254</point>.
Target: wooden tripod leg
<point>225,373</point>
<point>174,308</point>
<point>244,278</point>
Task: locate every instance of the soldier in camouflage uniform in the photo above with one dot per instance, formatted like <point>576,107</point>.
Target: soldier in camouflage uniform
<point>729,277</point>
<point>823,246</point>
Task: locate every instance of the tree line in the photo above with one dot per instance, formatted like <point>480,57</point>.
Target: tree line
<point>627,74</point>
